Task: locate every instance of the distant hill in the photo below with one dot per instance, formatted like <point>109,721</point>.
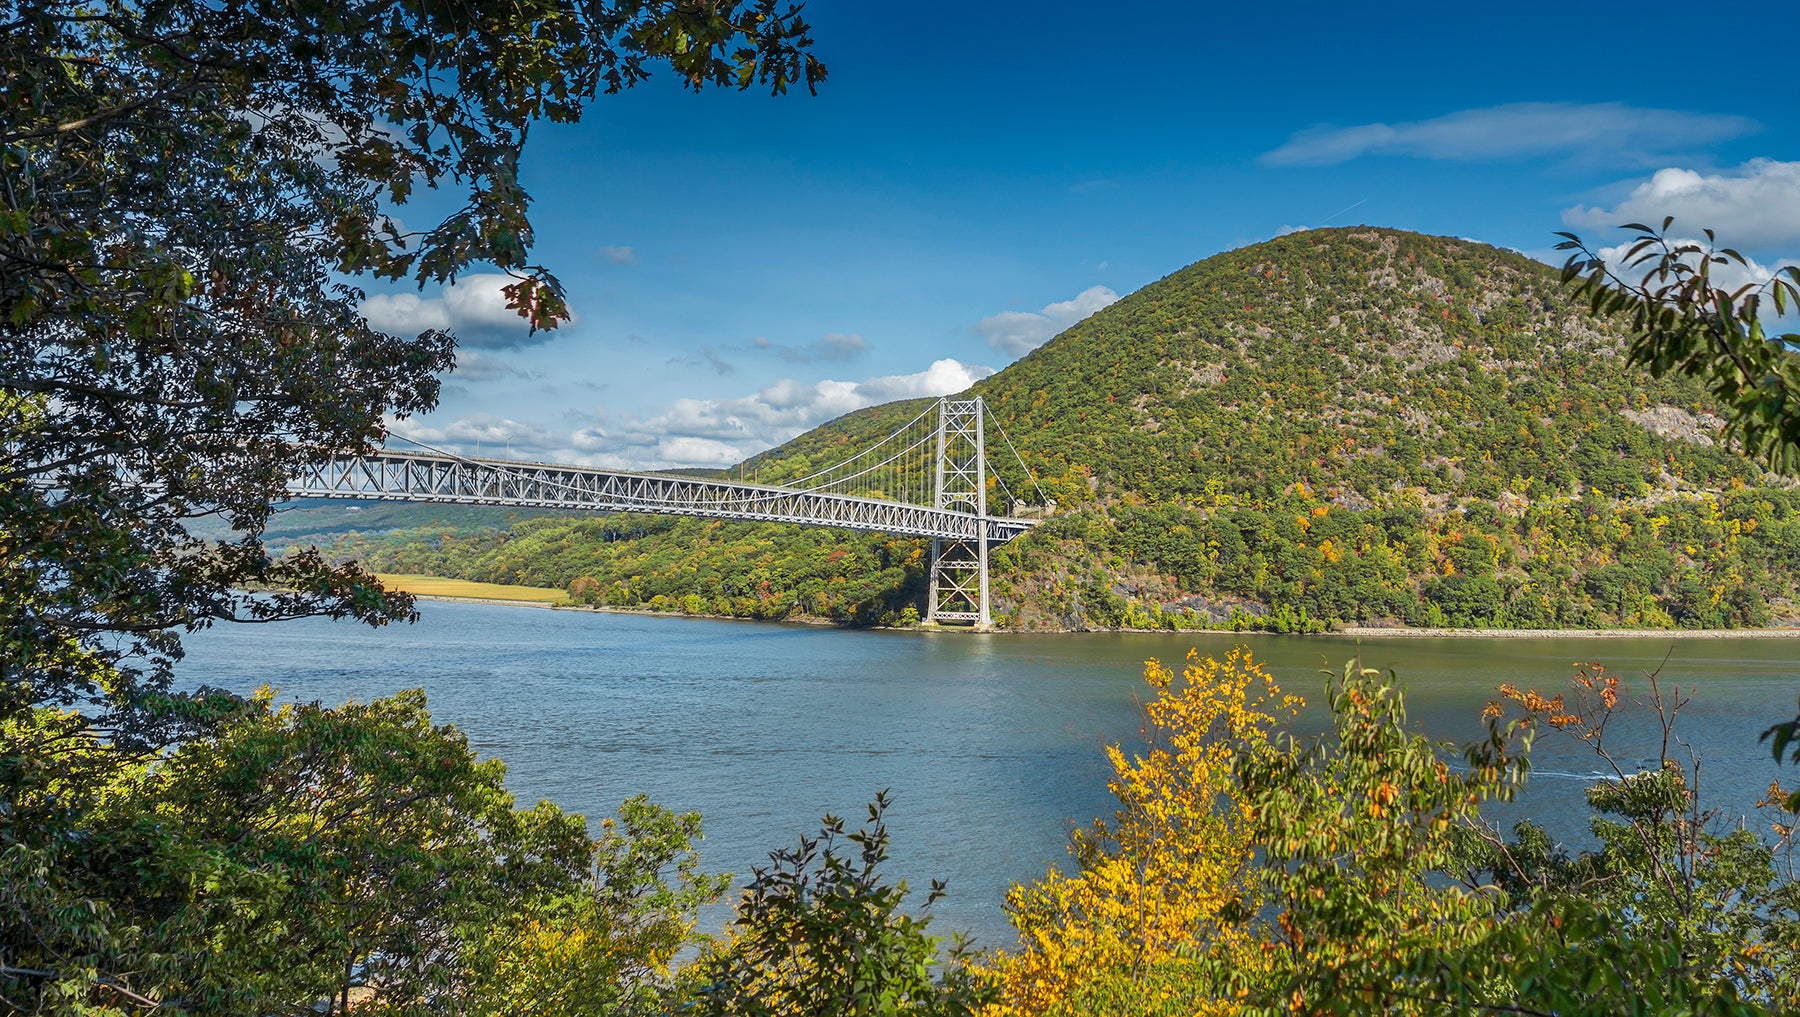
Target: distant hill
<point>1352,424</point>
<point>1358,361</point>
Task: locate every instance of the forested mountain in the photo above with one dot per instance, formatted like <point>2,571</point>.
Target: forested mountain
<point>1354,424</point>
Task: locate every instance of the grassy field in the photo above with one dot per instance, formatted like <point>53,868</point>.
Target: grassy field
<point>432,586</point>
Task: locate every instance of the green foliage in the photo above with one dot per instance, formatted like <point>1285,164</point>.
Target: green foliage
<point>819,934</point>
<point>298,852</point>
<point>190,184</point>
<point>608,947</point>
<point>1683,322</point>
<point>1785,738</point>
<point>1678,909</point>
<point>1356,830</point>
<point>1354,873</point>
<point>353,854</point>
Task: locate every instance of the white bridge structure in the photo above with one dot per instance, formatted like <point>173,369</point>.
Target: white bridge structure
<point>929,478</point>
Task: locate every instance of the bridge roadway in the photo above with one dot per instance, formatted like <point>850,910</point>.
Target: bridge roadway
<point>427,477</point>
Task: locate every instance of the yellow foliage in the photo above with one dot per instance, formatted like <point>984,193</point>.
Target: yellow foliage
<point>1171,878</point>
<point>572,964</point>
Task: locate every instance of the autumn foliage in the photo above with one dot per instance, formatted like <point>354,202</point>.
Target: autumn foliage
<point>1171,876</point>
<point>1248,871</point>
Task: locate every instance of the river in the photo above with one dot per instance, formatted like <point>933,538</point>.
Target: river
<point>991,745</point>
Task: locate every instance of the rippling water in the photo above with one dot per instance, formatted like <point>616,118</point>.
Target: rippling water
<point>991,745</point>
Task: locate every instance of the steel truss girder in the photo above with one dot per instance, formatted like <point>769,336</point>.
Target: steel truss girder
<point>444,479</point>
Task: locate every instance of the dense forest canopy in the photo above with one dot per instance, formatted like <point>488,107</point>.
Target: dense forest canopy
<point>1358,424</point>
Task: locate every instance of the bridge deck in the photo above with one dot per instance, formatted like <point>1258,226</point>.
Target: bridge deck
<point>425,477</point>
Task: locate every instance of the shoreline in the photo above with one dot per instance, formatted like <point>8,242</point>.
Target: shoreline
<point>1363,631</point>
<point>1355,631</point>
<point>564,605</point>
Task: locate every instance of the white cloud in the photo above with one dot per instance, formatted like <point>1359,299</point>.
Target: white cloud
<point>830,346</point>
<point>1606,132</point>
<point>690,432</point>
<point>1756,206</point>
<point>1017,333</point>
<point>943,377</point>
<point>473,309</point>
<point>1728,276</point>
<point>479,433</point>
<point>620,255</point>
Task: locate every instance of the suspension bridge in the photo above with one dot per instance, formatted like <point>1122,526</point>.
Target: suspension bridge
<point>928,478</point>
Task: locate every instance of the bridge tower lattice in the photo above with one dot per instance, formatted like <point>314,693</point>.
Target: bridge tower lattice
<point>959,567</point>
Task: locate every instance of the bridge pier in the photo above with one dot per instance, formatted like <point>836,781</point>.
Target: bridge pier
<point>959,583</point>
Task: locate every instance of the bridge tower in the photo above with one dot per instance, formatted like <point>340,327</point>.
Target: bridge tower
<point>959,568</point>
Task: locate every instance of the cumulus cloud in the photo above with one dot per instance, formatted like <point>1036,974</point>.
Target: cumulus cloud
<point>943,377</point>
<point>480,434</point>
<point>830,346</point>
<point>1755,206</point>
<point>716,432</point>
<point>689,432</point>
<point>620,255</point>
<point>1606,132</point>
<point>1017,333</point>
<point>1729,276</point>
<point>473,308</point>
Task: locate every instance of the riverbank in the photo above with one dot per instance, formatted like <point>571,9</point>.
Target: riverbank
<point>1363,631</point>
<point>566,605</point>
<point>1354,631</point>
<point>464,592</point>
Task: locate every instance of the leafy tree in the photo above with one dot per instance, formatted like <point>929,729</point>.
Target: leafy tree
<point>1172,876</point>
<point>360,855</point>
<point>1356,831</point>
<point>190,191</point>
<point>608,947</point>
<point>1678,910</point>
<point>820,934</point>
<point>299,854</point>
<point>1682,320</point>
<point>188,186</point>
<point>1353,874</point>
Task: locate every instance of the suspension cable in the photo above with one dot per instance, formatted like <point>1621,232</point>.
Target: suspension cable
<point>868,450</point>
<point>1028,474</point>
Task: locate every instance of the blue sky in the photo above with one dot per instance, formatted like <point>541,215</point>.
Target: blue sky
<point>972,178</point>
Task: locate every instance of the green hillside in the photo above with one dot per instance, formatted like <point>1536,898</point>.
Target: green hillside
<point>1357,424</point>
